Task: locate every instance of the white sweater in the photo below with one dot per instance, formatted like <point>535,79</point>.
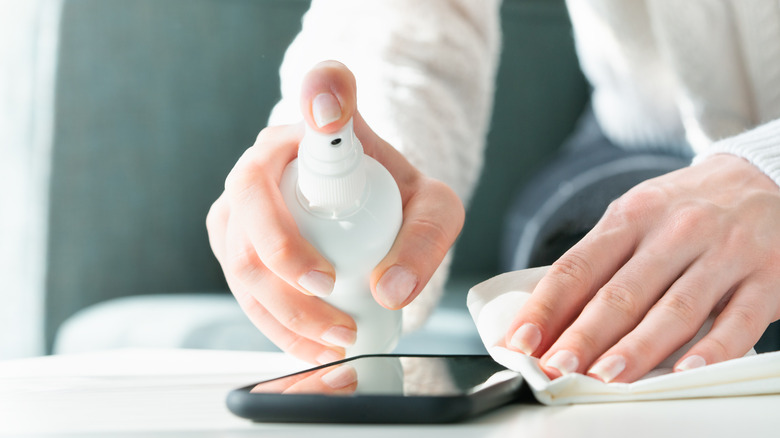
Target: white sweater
<point>685,74</point>
<point>667,74</point>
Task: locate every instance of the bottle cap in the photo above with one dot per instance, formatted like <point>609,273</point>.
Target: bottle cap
<point>331,176</point>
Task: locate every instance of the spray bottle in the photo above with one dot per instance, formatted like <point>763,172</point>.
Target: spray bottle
<point>349,208</point>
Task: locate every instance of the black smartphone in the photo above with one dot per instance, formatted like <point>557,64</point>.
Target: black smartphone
<point>381,389</point>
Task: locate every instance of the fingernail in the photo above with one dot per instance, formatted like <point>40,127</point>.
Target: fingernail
<point>340,336</point>
<point>326,109</point>
<point>564,361</point>
<point>342,376</point>
<point>690,363</point>
<point>526,338</point>
<point>317,283</point>
<point>395,286</point>
<point>608,368</point>
<point>328,356</point>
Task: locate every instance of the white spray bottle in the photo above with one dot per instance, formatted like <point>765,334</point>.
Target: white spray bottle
<point>349,208</point>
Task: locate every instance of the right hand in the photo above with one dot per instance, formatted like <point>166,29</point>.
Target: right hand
<point>275,274</point>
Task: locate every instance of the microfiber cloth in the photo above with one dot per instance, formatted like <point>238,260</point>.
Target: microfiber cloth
<point>494,303</point>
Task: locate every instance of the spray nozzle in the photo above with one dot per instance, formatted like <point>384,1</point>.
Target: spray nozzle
<point>331,177</point>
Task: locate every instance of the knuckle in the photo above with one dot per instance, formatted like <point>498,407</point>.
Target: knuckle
<point>637,203</point>
<point>746,318</point>
<point>243,265</point>
<point>246,301</point>
<point>641,347</point>
<point>296,345</point>
<point>715,347</point>
<point>252,308</point>
<point>247,172</point>
<point>211,218</point>
<point>441,218</point>
<point>258,159</point>
<point>584,341</point>
<point>541,310</point>
<point>572,271</point>
<point>277,250</point>
<point>432,233</point>
<point>682,306</point>
<point>238,180</point>
<point>741,236</point>
<point>297,320</point>
<point>452,204</point>
<point>272,139</point>
<point>770,263</point>
<point>216,216</point>
<point>689,220</point>
<point>447,194</point>
<point>266,135</point>
<point>622,210</point>
<point>621,296</point>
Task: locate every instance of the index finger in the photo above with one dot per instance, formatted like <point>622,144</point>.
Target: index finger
<point>252,188</point>
<point>568,285</point>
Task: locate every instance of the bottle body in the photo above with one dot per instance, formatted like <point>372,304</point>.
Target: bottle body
<point>354,243</point>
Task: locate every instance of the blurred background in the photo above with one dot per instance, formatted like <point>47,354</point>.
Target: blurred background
<point>119,121</point>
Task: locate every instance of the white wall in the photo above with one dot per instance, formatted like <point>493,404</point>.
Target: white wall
<point>28,50</point>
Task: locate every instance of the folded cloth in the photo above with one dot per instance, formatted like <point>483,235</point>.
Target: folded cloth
<point>494,303</point>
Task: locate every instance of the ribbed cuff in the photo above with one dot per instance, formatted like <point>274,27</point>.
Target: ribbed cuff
<point>760,146</point>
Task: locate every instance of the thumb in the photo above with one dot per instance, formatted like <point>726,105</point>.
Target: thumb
<point>328,96</point>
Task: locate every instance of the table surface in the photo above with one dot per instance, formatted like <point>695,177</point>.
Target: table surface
<point>178,393</point>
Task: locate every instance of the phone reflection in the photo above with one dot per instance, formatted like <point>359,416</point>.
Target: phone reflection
<point>336,379</point>
<point>428,375</point>
<point>389,375</point>
<point>377,375</point>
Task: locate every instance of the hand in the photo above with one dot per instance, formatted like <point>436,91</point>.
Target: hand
<point>337,379</point>
<point>277,276</point>
<point>667,254</point>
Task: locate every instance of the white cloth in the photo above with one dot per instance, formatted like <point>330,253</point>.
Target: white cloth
<point>493,304</point>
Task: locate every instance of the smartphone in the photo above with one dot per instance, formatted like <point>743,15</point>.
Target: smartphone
<point>382,389</point>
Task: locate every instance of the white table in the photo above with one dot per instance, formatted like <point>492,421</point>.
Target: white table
<point>181,393</point>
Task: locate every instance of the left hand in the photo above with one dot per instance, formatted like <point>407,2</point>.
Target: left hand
<point>665,255</point>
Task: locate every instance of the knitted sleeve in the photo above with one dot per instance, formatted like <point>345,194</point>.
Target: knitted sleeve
<point>760,146</point>
<point>425,74</point>
<point>726,60</point>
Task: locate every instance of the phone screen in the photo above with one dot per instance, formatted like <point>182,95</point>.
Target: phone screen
<point>381,389</point>
<point>409,376</point>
